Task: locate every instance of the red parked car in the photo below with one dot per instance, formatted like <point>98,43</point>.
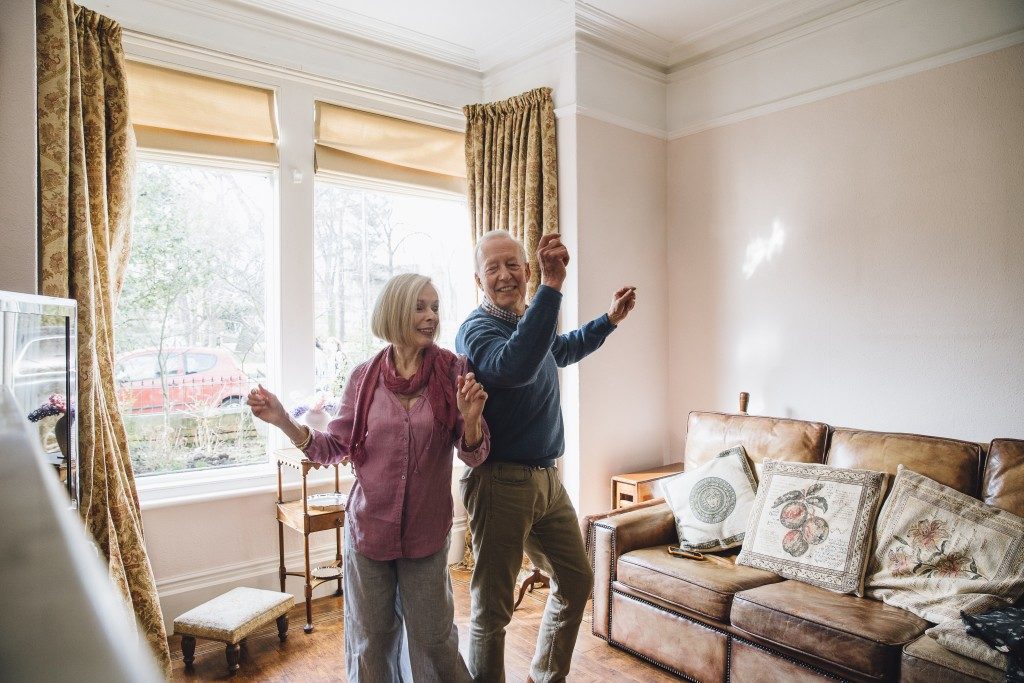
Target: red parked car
<point>194,378</point>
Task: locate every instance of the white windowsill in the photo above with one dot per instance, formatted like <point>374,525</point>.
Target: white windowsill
<point>186,488</point>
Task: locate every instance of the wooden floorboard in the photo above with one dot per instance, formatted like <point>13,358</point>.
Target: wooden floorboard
<point>320,656</point>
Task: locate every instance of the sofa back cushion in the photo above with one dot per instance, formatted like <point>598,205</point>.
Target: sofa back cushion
<point>708,434</point>
<point>939,552</point>
<point>956,464</point>
<point>1003,485</point>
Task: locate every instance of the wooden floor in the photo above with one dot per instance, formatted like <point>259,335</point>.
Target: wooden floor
<point>319,656</point>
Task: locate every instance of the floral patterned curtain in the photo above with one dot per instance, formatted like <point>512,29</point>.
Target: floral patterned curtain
<point>512,169</point>
<point>86,157</point>
<point>512,182</point>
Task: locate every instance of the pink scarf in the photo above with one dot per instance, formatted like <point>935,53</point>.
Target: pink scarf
<point>432,378</point>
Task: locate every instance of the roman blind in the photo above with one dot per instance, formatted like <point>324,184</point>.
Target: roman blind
<point>177,111</point>
<point>353,142</point>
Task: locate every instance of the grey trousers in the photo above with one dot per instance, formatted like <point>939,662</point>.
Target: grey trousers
<point>379,598</point>
<point>513,508</point>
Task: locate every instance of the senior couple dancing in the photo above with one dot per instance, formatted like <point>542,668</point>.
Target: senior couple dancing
<point>497,405</point>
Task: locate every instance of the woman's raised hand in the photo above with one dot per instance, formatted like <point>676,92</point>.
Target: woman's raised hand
<point>471,397</point>
<point>267,407</point>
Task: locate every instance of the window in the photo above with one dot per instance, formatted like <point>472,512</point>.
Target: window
<point>365,233</point>
<point>191,318</point>
<point>191,326</point>
<point>199,362</point>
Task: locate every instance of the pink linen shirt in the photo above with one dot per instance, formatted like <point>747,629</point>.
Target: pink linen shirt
<point>400,505</point>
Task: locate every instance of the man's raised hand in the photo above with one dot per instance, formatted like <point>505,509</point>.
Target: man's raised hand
<point>623,302</point>
<point>553,258</point>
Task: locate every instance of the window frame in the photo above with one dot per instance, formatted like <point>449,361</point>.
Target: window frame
<point>288,279</point>
<point>170,488</point>
<point>363,184</point>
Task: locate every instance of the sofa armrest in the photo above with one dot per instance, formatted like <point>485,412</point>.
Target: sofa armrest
<point>612,534</point>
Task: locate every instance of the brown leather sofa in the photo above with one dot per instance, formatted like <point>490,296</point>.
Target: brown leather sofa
<point>717,621</point>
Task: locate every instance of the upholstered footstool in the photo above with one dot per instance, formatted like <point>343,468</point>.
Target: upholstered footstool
<point>230,618</point>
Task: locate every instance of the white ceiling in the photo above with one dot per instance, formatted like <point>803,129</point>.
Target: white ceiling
<point>674,20</point>
<point>470,32</point>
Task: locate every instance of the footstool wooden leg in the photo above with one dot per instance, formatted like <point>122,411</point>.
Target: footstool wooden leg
<point>188,650</point>
<point>282,627</point>
<point>233,653</point>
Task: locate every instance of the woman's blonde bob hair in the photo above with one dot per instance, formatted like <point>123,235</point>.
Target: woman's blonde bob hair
<point>392,314</point>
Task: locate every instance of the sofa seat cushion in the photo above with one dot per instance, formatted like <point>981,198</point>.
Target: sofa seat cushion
<point>860,634</point>
<point>925,661</point>
<point>705,587</point>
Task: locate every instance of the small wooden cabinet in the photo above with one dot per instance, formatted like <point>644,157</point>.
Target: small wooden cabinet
<point>296,515</point>
<point>636,487</point>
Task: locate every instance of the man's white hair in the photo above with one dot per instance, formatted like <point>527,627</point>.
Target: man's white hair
<point>493,235</point>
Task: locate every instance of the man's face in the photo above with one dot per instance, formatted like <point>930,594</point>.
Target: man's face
<point>502,274</point>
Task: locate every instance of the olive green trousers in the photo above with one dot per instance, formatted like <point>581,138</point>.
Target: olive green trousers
<point>513,508</point>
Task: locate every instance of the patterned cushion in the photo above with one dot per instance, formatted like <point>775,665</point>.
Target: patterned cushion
<point>940,552</point>
<point>712,503</point>
<point>231,617</point>
<point>952,635</point>
<point>813,523</point>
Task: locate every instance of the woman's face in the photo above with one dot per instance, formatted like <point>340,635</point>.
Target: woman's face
<point>424,317</point>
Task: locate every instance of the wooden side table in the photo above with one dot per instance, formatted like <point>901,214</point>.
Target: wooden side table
<point>297,515</point>
<point>636,487</point>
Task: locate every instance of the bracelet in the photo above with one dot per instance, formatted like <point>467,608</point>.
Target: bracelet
<point>305,442</point>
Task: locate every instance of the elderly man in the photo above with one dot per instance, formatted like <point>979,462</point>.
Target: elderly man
<point>515,499</point>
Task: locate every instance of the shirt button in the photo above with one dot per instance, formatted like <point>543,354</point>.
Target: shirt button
<point>403,476</point>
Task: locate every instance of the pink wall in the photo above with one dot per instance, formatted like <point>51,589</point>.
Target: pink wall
<point>889,292</point>
<point>622,389</point>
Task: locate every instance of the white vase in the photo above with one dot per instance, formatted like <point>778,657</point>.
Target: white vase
<point>316,419</point>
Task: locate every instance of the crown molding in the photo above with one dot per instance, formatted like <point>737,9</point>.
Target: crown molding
<point>163,51</point>
<point>613,119</point>
<point>614,34</point>
<point>559,50</point>
<point>302,30</point>
<point>849,85</point>
<point>749,27</point>
<point>778,38</point>
<point>584,45</point>
<point>549,30</point>
<point>360,26</point>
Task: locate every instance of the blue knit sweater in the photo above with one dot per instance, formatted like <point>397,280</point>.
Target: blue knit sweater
<point>517,364</point>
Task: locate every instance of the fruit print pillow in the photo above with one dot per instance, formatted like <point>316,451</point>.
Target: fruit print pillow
<point>940,552</point>
<point>712,503</point>
<point>813,523</point>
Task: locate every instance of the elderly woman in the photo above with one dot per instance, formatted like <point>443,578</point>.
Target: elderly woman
<point>402,413</point>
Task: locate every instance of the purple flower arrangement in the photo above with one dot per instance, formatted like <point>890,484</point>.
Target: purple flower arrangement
<point>55,405</point>
<point>328,404</point>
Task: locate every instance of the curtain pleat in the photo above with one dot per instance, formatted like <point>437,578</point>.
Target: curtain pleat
<point>86,165</point>
<point>512,170</point>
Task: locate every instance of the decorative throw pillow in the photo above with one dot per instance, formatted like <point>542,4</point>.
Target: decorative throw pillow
<point>940,552</point>
<point>711,503</point>
<point>953,636</point>
<point>813,523</point>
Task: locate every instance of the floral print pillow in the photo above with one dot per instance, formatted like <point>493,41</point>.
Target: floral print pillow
<point>939,551</point>
<point>813,523</point>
